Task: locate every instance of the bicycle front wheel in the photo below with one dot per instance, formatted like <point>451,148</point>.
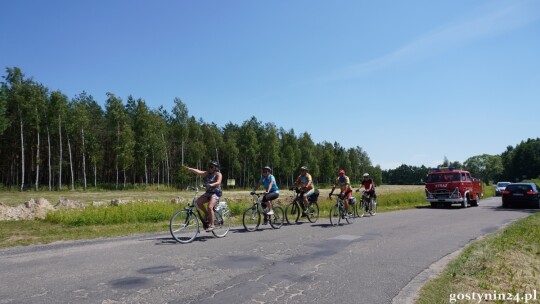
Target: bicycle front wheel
<point>313,212</point>
<point>184,226</point>
<point>277,219</point>
<point>354,209</point>
<point>349,215</point>
<point>373,207</point>
<point>364,208</point>
<point>335,215</point>
<point>251,219</point>
<point>292,213</point>
<point>222,224</point>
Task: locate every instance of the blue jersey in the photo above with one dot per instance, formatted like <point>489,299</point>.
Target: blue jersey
<point>266,182</point>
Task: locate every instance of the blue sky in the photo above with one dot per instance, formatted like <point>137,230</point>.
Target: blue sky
<point>408,81</point>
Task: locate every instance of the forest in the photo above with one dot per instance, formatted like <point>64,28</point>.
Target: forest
<point>50,142</point>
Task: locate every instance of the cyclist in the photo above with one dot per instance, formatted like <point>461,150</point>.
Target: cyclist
<point>212,181</point>
<point>345,186</point>
<point>369,185</point>
<point>271,191</point>
<point>305,183</point>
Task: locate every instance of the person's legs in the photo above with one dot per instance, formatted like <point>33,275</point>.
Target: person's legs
<point>211,204</point>
<point>201,204</point>
<point>346,198</point>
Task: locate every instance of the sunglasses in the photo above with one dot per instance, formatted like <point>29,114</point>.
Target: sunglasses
<point>266,171</point>
<point>212,167</point>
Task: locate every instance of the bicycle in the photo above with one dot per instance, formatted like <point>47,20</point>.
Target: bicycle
<point>368,204</point>
<point>338,212</point>
<point>184,225</point>
<point>296,207</point>
<point>252,215</point>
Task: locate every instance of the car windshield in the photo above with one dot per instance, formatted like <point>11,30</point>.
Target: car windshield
<point>501,185</point>
<point>443,178</point>
<point>519,188</point>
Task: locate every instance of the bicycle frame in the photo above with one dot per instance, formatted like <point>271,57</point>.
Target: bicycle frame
<point>187,220</point>
<point>252,215</point>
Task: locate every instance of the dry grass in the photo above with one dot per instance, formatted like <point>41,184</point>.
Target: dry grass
<point>13,198</point>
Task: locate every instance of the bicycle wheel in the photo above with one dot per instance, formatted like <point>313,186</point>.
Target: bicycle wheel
<point>354,208</point>
<point>277,219</point>
<point>184,226</point>
<point>292,213</point>
<point>313,212</point>
<point>349,216</point>
<point>222,224</point>
<point>251,218</point>
<point>373,210</point>
<point>335,215</point>
<point>363,208</point>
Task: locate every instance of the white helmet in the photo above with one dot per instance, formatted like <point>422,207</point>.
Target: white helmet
<point>366,174</point>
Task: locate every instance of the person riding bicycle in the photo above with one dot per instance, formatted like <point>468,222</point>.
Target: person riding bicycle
<point>271,191</point>
<point>369,185</point>
<point>212,181</point>
<point>345,186</point>
<point>304,182</point>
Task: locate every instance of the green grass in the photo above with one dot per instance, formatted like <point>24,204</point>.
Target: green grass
<point>152,215</point>
<point>507,261</point>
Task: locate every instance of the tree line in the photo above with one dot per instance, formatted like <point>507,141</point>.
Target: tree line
<point>49,141</point>
<point>515,164</point>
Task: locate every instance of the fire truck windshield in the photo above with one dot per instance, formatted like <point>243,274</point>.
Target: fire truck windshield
<point>443,178</point>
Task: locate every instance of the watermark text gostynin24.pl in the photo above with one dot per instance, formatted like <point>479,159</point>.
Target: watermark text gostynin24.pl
<point>478,297</point>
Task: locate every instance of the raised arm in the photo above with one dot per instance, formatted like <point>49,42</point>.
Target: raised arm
<point>196,171</point>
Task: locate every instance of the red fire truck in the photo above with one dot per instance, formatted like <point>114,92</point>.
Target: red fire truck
<point>449,186</point>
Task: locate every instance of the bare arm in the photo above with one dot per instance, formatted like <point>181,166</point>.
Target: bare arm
<point>196,171</point>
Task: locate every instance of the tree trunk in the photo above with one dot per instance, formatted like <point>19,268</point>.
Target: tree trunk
<point>145,173</point>
<point>95,174</point>
<point>37,162</point>
<point>83,158</point>
<point>22,153</point>
<point>49,156</point>
<point>124,179</point>
<point>60,151</point>
<point>71,165</point>
<point>166,161</point>
<point>117,173</point>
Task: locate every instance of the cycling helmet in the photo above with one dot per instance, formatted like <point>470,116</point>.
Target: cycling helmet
<point>366,174</point>
<point>215,164</point>
<point>268,169</point>
<point>303,168</point>
<point>341,171</point>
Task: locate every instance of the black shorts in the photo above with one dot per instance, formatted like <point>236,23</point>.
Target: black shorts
<point>270,197</point>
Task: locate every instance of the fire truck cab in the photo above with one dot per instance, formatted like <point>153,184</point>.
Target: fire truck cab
<point>449,186</point>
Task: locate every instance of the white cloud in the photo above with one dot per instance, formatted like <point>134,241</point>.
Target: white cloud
<point>494,22</point>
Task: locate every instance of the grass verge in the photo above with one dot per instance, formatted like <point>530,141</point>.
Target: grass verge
<point>507,261</point>
<point>154,216</point>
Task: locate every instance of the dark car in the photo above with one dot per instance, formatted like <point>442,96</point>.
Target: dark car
<point>520,194</point>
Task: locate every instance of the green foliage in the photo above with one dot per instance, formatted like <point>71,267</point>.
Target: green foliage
<point>103,215</point>
<point>405,175</point>
<point>523,161</point>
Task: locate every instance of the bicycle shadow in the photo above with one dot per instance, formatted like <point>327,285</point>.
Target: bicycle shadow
<point>172,241</point>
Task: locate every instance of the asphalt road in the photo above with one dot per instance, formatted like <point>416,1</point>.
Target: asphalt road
<point>369,261</point>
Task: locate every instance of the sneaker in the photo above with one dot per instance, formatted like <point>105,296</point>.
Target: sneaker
<point>271,212</point>
<point>209,229</point>
<point>350,214</point>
